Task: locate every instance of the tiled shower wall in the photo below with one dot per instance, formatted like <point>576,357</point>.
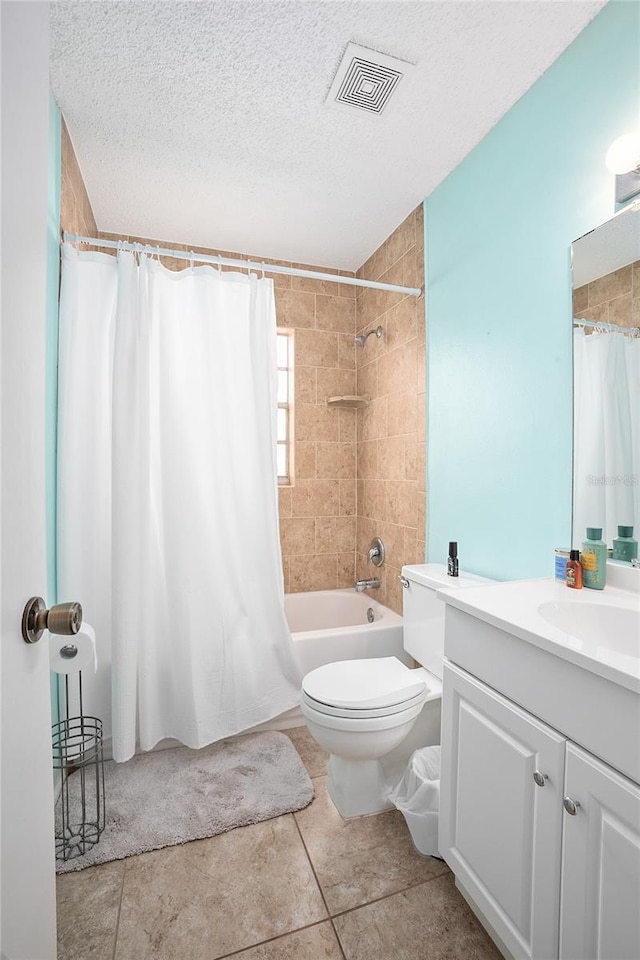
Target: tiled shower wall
<point>614,298</point>
<point>391,455</point>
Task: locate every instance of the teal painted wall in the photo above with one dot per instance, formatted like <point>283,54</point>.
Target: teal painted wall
<point>498,304</point>
<point>51,363</point>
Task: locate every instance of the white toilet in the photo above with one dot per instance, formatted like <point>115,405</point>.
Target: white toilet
<point>370,715</point>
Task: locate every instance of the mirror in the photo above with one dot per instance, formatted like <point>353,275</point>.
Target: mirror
<point>606,380</point>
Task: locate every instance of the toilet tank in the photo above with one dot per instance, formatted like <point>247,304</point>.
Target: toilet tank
<point>423,613</point>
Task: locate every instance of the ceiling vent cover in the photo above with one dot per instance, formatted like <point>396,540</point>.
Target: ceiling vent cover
<point>366,79</point>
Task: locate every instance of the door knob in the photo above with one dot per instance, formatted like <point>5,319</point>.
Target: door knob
<point>540,778</point>
<point>64,619</point>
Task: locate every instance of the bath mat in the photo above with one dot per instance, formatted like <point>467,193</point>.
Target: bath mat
<point>172,796</point>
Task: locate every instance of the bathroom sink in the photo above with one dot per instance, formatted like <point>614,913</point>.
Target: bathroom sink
<point>596,628</point>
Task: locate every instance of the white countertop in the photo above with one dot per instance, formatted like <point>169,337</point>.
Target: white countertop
<point>514,607</point>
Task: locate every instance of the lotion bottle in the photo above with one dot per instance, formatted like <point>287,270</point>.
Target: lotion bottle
<point>594,559</point>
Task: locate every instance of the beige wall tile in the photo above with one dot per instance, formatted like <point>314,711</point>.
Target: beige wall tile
<point>580,299</point>
<point>305,460</point>
<point>346,351</point>
<point>367,381</point>
<point>297,536</point>
<point>347,425</point>
<point>335,460</point>
<point>316,498</point>
<point>346,569</point>
<point>335,313</point>
<point>334,382</point>
<point>317,348</point>
<point>391,458</point>
<point>367,463</point>
<point>620,310</point>
<point>305,385</point>
<point>313,573</point>
<point>295,308</point>
<point>348,498</point>
<point>284,501</point>
<point>372,420</point>
<point>335,534</point>
<point>402,413</point>
<point>316,421</point>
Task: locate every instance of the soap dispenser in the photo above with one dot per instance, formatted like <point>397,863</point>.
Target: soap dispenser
<point>452,559</point>
<point>594,559</point>
<point>625,546</point>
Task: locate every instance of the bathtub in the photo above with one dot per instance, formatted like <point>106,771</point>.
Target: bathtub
<point>331,625</point>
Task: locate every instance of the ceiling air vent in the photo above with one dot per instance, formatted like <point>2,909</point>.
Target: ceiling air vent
<point>366,79</point>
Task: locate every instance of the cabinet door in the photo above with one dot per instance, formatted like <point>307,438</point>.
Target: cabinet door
<point>499,832</point>
<point>600,901</point>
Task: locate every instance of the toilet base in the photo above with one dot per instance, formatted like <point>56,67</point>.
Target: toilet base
<point>357,787</point>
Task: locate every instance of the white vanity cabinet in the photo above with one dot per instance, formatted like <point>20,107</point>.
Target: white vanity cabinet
<point>499,831</point>
<point>549,883</point>
<point>600,890</point>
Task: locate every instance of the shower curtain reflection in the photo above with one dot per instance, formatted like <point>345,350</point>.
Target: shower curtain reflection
<point>167,496</point>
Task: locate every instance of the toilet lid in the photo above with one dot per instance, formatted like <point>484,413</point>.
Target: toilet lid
<point>360,684</point>
<point>357,713</point>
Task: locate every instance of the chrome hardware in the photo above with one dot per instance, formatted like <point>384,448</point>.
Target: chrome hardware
<point>362,339</point>
<point>571,806</point>
<point>540,778</point>
<point>65,619</point>
<point>376,552</point>
<point>403,581</point>
<point>635,562</point>
<point>372,584</point>
<point>370,615</point>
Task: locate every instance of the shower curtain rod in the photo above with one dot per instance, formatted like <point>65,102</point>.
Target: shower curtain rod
<point>607,327</point>
<point>243,264</point>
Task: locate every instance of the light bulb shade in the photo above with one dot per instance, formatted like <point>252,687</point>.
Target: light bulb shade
<point>624,154</point>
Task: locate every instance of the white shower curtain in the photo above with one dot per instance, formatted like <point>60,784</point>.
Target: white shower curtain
<point>167,496</point>
<point>606,433</point>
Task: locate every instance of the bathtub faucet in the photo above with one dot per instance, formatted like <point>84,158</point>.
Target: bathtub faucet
<point>372,584</point>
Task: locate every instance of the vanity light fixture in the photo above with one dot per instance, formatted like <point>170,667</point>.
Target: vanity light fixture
<point>623,159</point>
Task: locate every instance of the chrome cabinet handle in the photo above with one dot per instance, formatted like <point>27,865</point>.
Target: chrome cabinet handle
<point>571,806</point>
<point>64,619</point>
<point>403,581</point>
<point>540,778</point>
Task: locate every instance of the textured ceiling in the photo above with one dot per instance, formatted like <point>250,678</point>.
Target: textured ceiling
<point>205,122</point>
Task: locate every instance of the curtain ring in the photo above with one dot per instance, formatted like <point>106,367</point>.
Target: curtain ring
<point>219,259</point>
<point>192,260</point>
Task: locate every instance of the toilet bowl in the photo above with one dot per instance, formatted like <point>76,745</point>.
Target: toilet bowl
<point>371,714</point>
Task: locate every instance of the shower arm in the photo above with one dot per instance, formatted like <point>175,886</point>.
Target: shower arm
<point>363,336</point>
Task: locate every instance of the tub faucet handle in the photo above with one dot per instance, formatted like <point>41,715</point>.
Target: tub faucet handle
<point>376,552</point>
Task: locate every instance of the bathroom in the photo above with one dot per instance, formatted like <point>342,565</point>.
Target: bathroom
<point>477,445</point>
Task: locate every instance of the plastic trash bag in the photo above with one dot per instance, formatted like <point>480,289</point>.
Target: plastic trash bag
<point>417,797</point>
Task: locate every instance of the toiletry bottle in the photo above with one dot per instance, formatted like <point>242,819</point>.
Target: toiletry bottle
<point>560,568</point>
<point>625,546</point>
<point>574,570</point>
<point>594,559</point>
<point>452,559</point>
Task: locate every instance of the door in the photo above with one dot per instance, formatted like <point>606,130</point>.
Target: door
<point>28,875</point>
<point>600,901</point>
<point>499,831</point>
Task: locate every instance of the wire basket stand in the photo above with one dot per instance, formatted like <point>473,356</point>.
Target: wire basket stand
<point>77,753</point>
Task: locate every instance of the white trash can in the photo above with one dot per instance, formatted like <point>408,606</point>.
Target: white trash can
<point>417,797</point>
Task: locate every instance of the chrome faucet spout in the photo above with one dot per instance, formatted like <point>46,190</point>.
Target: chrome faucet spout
<point>372,584</point>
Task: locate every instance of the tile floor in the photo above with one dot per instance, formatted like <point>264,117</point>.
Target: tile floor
<point>305,886</point>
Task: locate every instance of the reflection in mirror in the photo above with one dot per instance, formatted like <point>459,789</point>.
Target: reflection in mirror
<point>606,380</point>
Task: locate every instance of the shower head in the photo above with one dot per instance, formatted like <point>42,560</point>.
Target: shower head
<point>360,340</point>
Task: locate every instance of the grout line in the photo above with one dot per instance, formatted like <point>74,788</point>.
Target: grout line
<point>279,936</point>
<point>313,870</point>
<point>387,896</point>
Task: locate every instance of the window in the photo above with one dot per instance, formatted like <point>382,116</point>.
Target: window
<point>285,406</point>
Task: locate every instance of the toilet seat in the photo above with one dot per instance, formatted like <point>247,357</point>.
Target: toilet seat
<point>360,686</point>
<point>355,712</point>
<point>361,725</point>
